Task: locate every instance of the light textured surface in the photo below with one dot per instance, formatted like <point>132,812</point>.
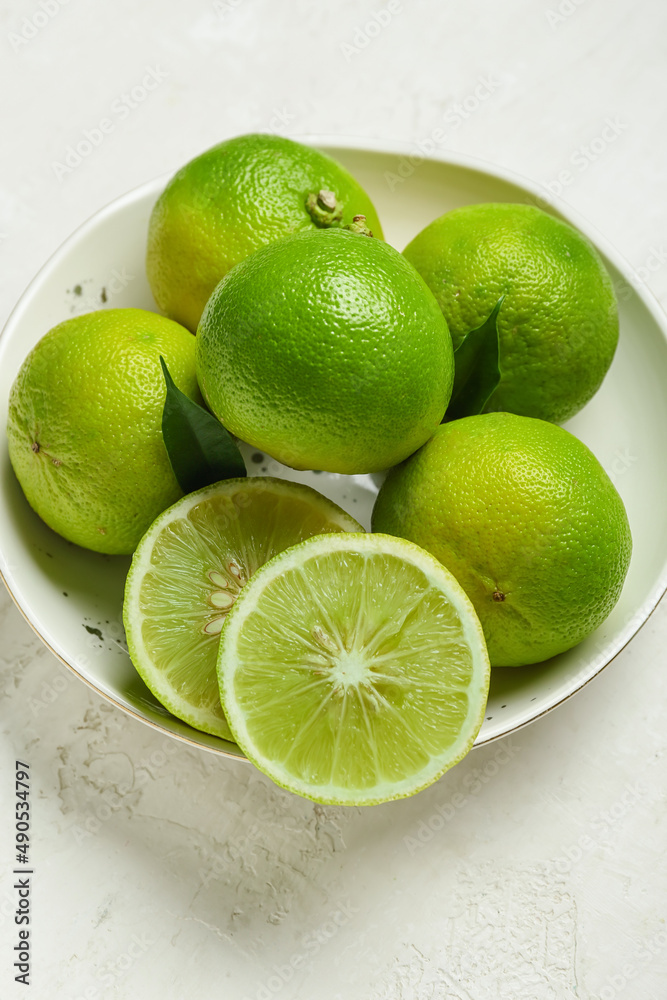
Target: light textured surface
<point>536,868</point>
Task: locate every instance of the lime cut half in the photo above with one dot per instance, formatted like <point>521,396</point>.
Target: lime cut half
<point>188,571</point>
<point>353,669</point>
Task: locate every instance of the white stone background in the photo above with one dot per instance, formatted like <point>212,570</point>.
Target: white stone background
<point>205,880</point>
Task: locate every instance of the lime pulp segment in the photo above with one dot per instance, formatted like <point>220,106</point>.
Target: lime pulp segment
<point>354,670</point>
<point>190,568</point>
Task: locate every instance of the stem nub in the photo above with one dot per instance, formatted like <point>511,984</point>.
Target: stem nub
<point>324,208</point>
<point>358,225</point>
<point>326,211</point>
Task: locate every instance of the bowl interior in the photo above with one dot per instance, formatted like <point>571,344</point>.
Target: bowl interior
<point>73,598</point>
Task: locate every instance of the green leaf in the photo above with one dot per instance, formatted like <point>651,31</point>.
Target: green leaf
<point>200,450</point>
<point>477,375</point>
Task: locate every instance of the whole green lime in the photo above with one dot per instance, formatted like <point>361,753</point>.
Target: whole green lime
<point>231,200</point>
<point>527,520</point>
<point>327,351</point>
<point>84,425</point>
<point>558,323</point>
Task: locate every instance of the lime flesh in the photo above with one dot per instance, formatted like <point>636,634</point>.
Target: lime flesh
<point>353,670</point>
<point>188,571</point>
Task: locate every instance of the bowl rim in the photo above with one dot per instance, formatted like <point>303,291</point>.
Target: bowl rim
<point>332,143</point>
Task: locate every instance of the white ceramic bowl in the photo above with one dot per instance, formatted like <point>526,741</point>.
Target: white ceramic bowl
<point>73,598</point>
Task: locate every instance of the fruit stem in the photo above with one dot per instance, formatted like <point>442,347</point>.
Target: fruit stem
<point>324,208</point>
<point>358,225</point>
<point>326,211</point>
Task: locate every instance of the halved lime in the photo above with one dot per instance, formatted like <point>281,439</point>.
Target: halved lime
<point>189,569</point>
<point>353,669</point>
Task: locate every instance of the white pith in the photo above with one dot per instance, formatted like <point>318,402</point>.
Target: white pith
<point>349,672</point>
<point>226,581</point>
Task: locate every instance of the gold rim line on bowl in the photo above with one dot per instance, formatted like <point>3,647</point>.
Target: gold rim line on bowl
<point>113,701</point>
<point>240,756</point>
<point>355,144</point>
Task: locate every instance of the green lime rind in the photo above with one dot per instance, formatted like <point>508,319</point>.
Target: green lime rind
<point>191,564</point>
<point>326,351</point>
<point>83,425</point>
<point>558,327</point>
<point>353,669</point>
<point>528,521</point>
<point>229,201</point>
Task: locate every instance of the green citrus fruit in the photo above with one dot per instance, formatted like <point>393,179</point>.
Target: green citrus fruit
<point>558,324</point>
<point>231,200</point>
<point>327,351</point>
<point>353,669</point>
<point>526,519</point>
<point>188,571</point>
<point>84,425</point>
